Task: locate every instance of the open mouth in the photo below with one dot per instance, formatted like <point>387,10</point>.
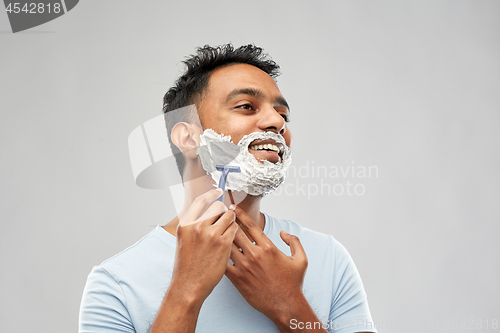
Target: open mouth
<point>269,150</point>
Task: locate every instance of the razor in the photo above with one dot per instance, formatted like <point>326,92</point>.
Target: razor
<point>226,169</point>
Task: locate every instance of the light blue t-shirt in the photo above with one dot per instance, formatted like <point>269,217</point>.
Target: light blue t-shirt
<point>124,293</point>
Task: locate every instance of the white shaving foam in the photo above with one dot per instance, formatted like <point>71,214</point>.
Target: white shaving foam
<point>256,178</point>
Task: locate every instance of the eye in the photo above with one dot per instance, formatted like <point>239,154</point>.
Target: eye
<point>245,106</point>
<point>286,117</point>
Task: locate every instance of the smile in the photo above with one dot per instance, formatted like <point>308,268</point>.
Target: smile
<point>267,150</point>
<point>268,147</point>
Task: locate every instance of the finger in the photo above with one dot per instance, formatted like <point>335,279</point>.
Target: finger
<point>230,233</point>
<point>236,255</point>
<point>244,230</point>
<point>242,227</point>
<point>213,212</point>
<point>296,248</point>
<point>249,225</point>
<point>200,205</point>
<point>242,241</point>
<point>224,221</point>
<point>230,271</point>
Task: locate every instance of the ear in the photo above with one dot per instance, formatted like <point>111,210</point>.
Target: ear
<point>187,138</point>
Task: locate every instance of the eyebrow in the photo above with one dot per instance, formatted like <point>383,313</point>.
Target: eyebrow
<point>256,93</point>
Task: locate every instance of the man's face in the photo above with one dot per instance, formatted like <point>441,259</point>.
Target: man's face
<point>241,99</point>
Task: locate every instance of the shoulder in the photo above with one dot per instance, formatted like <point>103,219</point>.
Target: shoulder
<point>332,281</point>
<point>121,293</point>
<point>154,249</point>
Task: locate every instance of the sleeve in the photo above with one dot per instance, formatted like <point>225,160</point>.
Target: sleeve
<point>349,311</point>
<point>103,308</point>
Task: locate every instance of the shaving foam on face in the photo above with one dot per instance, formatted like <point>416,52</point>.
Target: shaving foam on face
<point>256,178</point>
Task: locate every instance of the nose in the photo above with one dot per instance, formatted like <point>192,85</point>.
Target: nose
<point>270,120</point>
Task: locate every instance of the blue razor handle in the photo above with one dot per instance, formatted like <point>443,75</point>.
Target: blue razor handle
<point>226,169</point>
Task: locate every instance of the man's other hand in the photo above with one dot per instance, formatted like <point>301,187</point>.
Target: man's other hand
<point>267,278</point>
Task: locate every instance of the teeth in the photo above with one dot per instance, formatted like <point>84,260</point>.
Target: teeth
<point>268,146</point>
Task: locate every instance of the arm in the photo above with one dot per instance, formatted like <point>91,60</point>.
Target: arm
<point>178,311</point>
<point>268,279</point>
<point>204,240</point>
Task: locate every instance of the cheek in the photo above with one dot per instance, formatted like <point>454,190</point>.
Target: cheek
<point>236,132</point>
<point>219,125</point>
<point>237,129</point>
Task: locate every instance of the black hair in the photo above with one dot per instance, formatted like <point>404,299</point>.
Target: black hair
<point>190,86</point>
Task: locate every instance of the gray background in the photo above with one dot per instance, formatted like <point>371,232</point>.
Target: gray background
<point>411,87</point>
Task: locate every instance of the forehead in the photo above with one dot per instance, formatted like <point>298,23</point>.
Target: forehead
<point>240,76</point>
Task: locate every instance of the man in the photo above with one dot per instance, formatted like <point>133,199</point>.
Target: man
<point>214,269</point>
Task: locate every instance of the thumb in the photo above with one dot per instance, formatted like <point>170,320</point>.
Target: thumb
<point>296,248</point>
